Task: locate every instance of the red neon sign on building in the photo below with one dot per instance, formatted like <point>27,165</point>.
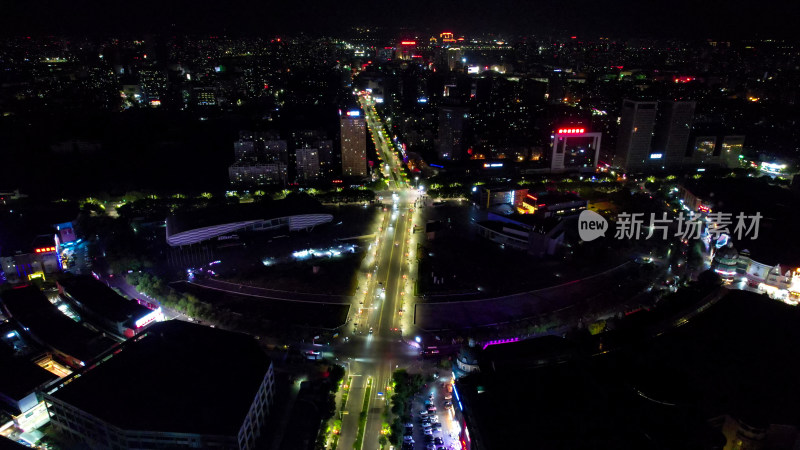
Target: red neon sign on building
<point>571,130</point>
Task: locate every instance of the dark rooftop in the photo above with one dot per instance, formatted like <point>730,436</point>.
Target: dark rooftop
<point>101,299</point>
<point>20,377</point>
<point>178,377</point>
<point>30,307</point>
<point>739,357</point>
<point>530,221</point>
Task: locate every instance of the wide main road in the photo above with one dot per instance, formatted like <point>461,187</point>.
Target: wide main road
<point>376,348</point>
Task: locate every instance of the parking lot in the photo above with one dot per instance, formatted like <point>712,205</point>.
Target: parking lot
<point>434,429</point>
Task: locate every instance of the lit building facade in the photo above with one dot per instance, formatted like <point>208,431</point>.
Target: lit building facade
<point>307,164</point>
<point>451,144</point>
<point>573,149</point>
<point>354,144</point>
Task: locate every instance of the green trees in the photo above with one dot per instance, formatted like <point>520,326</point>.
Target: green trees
<point>405,386</point>
<point>155,287</point>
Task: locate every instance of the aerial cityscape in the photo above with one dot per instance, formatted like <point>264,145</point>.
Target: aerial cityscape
<point>414,226</point>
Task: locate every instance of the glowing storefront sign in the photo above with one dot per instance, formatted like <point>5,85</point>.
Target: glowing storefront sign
<point>571,130</point>
<point>152,316</point>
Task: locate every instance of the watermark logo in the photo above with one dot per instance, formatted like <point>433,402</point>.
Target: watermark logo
<point>591,225</point>
<point>709,226</point>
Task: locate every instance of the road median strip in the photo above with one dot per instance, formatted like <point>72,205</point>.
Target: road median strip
<point>362,418</point>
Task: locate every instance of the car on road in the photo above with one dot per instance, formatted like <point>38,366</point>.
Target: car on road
<point>408,438</point>
<point>423,413</point>
<point>370,330</point>
<point>430,447</point>
<point>438,441</point>
<point>437,426</point>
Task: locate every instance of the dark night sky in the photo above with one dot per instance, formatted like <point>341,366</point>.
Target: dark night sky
<point>680,18</point>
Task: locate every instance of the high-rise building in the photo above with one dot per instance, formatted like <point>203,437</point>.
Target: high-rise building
<point>635,136</point>
<point>354,144</point>
<point>248,175</point>
<point>258,161</point>
<point>275,151</point>
<point>452,127</point>
<point>245,152</point>
<point>574,149</point>
<point>673,126</point>
<point>327,163</point>
<point>307,163</point>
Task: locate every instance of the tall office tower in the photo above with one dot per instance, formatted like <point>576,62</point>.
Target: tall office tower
<point>354,144</point>
<point>307,164</point>
<point>636,135</point>
<point>672,132</point>
<point>327,163</point>
<point>452,136</point>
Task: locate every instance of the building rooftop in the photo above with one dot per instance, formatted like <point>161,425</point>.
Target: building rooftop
<point>178,377</point>
<point>20,377</point>
<point>553,198</point>
<point>101,299</point>
<point>738,357</point>
<point>29,307</point>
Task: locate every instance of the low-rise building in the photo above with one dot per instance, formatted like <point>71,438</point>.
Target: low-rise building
<point>106,308</point>
<point>550,204</point>
<point>70,342</point>
<point>155,394</point>
<point>501,195</point>
<point>20,384</point>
